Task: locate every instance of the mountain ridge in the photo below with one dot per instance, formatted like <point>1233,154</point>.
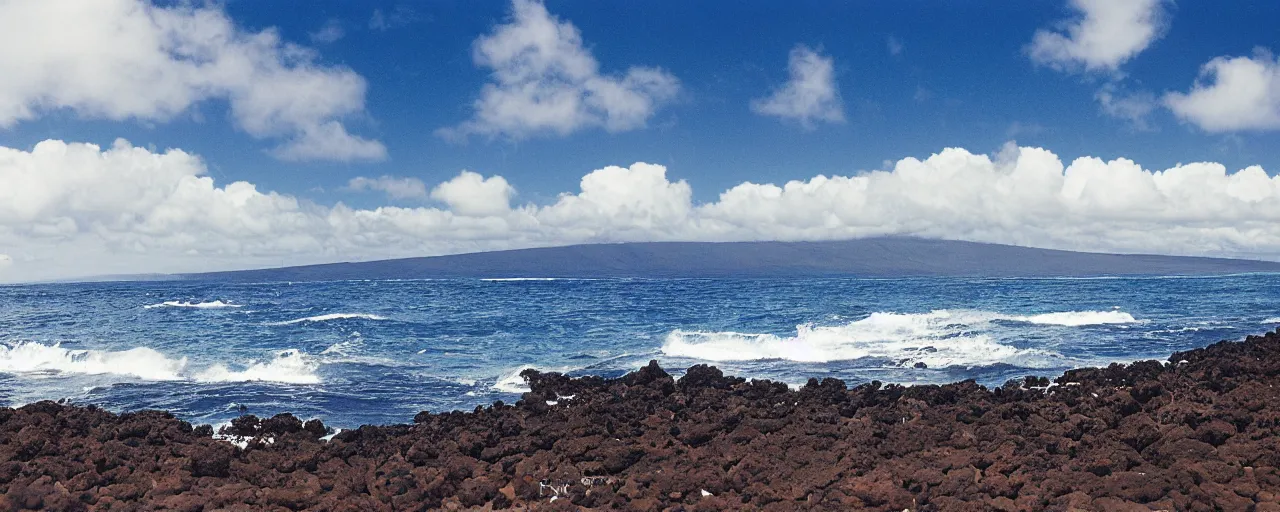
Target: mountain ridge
<point>866,257</point>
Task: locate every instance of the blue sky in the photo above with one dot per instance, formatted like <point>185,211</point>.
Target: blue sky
<point>962,78</point>
<point>906,79</point>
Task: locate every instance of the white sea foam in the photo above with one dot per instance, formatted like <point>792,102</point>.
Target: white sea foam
<point>1079,318</point>
<point>1181,330</point>
<point>141,362</point>
<point>288,366</point>
<point>939,338</point>
<point>144,363</point>
<point>217,304</point>
<point>512,382</point>
<point>523,279</point>
<point>1272,320</point>
<point>823,344</point>
<point>343,348</point>
<point>330,316</point>
<point>240,441</point>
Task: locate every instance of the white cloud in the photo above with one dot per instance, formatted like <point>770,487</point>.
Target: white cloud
<point>810,93</point>
<point>395,188</point>
<point>1134,108</point>
<point>129,59</point>
<point>623,203</point>
<point>329,141</point>
<point>70,209</point>
<point>1232,94</point>
<point>1106,34</point>
<point>329,33</point>
<point>546,82</point>
<point>474,195</point>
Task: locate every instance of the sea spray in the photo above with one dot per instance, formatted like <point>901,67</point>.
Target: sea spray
<point>217,304</point>
<point>331,316</point>
<point>288,366</point>
<point>139,362</point>
<point>939,338</point>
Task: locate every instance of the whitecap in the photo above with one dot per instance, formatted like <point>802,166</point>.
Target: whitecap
<point>512,382</point>
<point>820,345</point>
<point>1078,318</point>
<point>522,279</point>
<point>330,316</point>
<point>217,304</point>
<point>241,442</point>
<point>1272,320</point>
<point>940,338</point>
<point>343,348</point>
<point>140,362</point>
<point>288,367</point>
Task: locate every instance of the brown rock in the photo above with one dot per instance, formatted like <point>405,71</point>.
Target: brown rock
<point>1204,434</point>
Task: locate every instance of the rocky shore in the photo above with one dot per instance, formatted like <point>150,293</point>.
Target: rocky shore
<point>1200,432</point>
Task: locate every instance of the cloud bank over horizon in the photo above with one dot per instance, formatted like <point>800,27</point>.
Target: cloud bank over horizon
<point>139,211</point>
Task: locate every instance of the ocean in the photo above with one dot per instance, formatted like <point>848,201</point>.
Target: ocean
<point>379,351</point>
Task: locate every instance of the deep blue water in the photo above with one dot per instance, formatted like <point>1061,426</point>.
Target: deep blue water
<point>356,352</point>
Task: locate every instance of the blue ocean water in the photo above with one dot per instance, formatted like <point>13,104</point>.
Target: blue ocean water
<point>358,352</point>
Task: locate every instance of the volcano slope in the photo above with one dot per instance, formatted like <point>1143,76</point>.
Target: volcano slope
<point>1201,432</point>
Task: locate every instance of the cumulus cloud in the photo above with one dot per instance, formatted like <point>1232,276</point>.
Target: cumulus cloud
<point>545,81</point>
<point>70,209</point>
<point>810,93</point>
<point>473,195</point>
<point>130,59</point>
<point>393,187</point>
<point>1232,94</point>
<point>1104,35</point>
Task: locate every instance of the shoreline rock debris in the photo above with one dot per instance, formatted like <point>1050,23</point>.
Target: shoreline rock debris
<point>1201,432</point>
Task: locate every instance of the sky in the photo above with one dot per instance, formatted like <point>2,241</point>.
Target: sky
<point>142,136</point>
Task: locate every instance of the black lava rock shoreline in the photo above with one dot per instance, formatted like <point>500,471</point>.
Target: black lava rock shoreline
<point>1199,432</point>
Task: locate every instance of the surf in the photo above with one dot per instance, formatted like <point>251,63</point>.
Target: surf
<point>939,338</point>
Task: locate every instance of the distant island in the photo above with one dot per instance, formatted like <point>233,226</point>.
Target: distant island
<point>868,257</point>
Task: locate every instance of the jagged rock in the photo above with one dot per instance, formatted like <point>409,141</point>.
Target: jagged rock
<point>1202,431</point>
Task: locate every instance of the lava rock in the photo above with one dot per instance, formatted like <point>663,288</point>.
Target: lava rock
<point>1202,432</point>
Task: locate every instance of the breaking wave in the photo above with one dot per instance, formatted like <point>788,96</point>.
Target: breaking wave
<point>330,316</point>
<point>940,338</point>
<point>1078,318</point>
<point>144,363</point>
<point>141,362</point>
<point>217,304</point>
<point>289,367</point>
<point>512,382</point>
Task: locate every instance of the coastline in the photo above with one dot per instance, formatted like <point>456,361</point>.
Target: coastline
<point>1202,429</point>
